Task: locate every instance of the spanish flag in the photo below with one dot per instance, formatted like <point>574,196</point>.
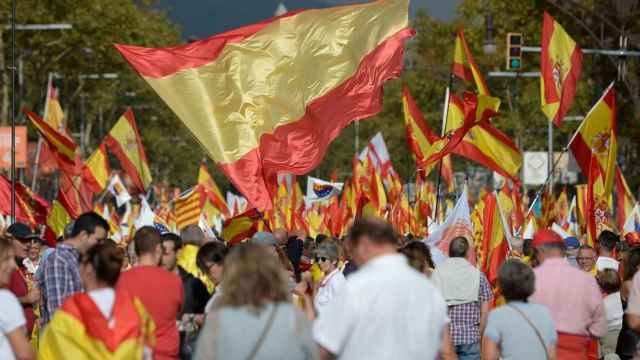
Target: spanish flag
<point>211,189</point>
<point>560,67</point>
<point>241,227</point>
<point>485,144</point>
<point>597,137</point>
<point>54,115</point>
<point>494,242</point>
<point>625,200</point>
<point>78,330</point>
<point>62,146</point>
<point>270,97</point>
<point>60,214</point>
<point>96,169</point>
<point>465,67</point>
<point>125,142</point>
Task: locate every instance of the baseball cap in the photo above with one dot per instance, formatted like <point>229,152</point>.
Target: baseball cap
<point>263,238</point>
<point>572,242</point>
<point>545,236</point>
<point>21,231</point>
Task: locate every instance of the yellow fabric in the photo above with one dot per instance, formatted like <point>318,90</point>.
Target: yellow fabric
<point>188,209</point>
<point>98,164</point>
<point>187,260</point>
<point>316,274</point>
<point>58,218</point>
<point>463,57</point>
<point>561,48</point>
<point>126,136</point>
<point>206,180</point>
<point>267,80</point>
<point>54,116</point>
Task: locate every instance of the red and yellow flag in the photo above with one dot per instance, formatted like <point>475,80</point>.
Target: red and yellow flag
<point>257,113</point>
<point>241,227</point>
<point>54,115</point>
<point>60,214</point>
<point>597,138</point>
<point>78,330</point>
<point>96,169</point>
<point>61,145</point>
<point>560,67</point>
<point>465,67</point>
<point>494,243</point>
<point>125,142</point>
<point>625,200</point>
<point>30,208</point>
<point>188,207</point>
<point>211,189</point>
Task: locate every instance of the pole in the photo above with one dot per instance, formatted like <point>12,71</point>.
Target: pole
<point>13,111</point>
<point>551,164</point>
<point>39,146</point>
<point>445,114</point>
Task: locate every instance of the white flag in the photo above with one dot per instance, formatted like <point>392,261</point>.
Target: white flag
<point>117,188</point>
<point>320,190</point>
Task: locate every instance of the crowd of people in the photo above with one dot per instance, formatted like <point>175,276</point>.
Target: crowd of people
<point>371,295</point>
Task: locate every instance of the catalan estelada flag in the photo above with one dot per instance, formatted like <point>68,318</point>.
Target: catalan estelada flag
<point>125,143</point>
<point>560,67</point>
<point>188,207</point>
<point>597,137</point>
<point>78,330</point>
<point>465,67</point>
<point>270,97</point>
<point>96,169</point>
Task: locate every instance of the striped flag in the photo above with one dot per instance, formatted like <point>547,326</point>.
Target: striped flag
<point>560,67</point>
<point>494,243</point>
<point>61,145</point>
<point>257,113</point>
<point>465,67</point>
<point>241,227</point>
<point>125,143</point>
<point>188,207</point>
<point>96,169</point>
<point>60,214</point>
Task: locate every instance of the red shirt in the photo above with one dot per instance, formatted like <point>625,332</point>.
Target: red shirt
<point>161,293</point>
<point>18,286</point>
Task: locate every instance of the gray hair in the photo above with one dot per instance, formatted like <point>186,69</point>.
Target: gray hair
<point>192,234</point>
<point>459,247</point>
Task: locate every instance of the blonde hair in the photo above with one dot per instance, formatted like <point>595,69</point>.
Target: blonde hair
<point>6,244</point>
<point>253,276</point>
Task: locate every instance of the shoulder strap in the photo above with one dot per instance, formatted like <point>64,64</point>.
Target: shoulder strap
<point>535,329</point>
<point>264,333</point>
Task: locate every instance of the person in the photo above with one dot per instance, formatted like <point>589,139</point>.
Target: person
<point>159,290</point>
<point>609,282</point>
<point>468,295</point>
<point>572,296</point>
<point>100,322</point>
<point>210,260</point>
<point>419,256</point>
<point>628,340</point>
<point>386,309</point>
<point>326,256</point>
<point>14,343</point>
<point>281,237</point>
<point>21,283</point>
<point>32,261</point>
<point>586,259</point>
<point>573,246</point>
<point>518,329</point>
<point>266,239</point>
<point>607,242</point>
<point>192,239</point>
<point>254,318</point>
<point>60,277</point>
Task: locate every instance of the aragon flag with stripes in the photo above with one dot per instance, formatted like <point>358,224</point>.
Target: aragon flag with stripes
<point>270,97</point>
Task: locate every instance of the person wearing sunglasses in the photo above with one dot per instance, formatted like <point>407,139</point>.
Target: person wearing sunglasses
<point>326,256</point>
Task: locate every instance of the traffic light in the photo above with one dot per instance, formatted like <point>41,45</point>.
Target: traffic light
<point>514,51</point>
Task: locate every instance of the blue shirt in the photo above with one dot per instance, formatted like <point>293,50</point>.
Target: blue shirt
<point>59,279</point>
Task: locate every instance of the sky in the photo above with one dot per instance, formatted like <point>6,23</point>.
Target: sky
<point>201,18</point>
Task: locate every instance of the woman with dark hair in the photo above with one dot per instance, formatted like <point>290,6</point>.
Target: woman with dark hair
<point>210,260</point>
<point>254,318</point>
<point>628,340</point>
<point>100,322</point>
<point>419,256</point>
<point>518,330</point>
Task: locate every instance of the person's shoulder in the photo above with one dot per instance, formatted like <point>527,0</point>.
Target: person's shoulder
<point>8,300</point>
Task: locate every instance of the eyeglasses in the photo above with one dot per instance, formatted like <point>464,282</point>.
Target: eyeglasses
<point>321,259</point>
<point>583,258</point>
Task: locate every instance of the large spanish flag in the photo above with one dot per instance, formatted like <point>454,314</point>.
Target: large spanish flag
<point>597,137</point>
<point>560,67</point>
<point>78,330</point>
<point>96,169</point>
<point>270,97</point>
<point>485,144</point>
<point>465,67</point>
<point>125,142</point>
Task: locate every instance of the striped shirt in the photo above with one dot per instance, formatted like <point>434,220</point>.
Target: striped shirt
<point>59,279</point>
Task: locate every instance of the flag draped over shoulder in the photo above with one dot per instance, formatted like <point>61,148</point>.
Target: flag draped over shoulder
<point>125,143</point>
<point>560,67</point>
<point>276,93</point>
<point>465,67</point>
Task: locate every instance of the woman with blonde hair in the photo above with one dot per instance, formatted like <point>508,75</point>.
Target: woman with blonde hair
<point>254,317</point>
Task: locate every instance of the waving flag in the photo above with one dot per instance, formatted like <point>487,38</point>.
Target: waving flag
<point>625,200</point>
<point>188,207</point>
<point>96,169</point>
<point>211,189</point>
<point>125,142</point>
<point>494,242</point>
<point>54,116</point>
<point>61,145</point>
<point>465,67</point>
<point>271,97</point>
<point>320,190</point>
<point>241,227</point>
<point>30,208</point>
<point>560,67</point>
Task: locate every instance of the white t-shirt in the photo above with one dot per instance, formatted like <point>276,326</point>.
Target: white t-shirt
<point>386,310</point>
<point>613,310</point>
<point>11,318</point>
<point>104,299</point>
<point>328,289</point>
<point>605,262</point>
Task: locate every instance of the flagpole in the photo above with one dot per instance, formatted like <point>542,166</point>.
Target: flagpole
<point>13,111</point>
<point>39,146</point>
<point>445,115</point>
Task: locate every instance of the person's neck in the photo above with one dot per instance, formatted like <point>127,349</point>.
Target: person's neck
<point>147,260</point>
<point>379,251</point>
<point>95,286</point>
<point>71,242</point>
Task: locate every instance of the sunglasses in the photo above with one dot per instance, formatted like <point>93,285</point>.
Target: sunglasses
<point>321,259</point>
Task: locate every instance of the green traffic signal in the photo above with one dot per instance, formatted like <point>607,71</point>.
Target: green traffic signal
<point>514,63</point>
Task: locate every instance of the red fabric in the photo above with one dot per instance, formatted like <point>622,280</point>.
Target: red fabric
<point>161,293</point>
<point>572,347</point>
<point>18,286</point>
<point>545,236</point>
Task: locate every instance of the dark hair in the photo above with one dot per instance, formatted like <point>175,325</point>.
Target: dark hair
<point>174,238</point>
<point>146,239</point>
<point>459,247</point>
<point>607,240</point>
<point>527,249</point>
<point>106,260</point>
<point>376,230</point>
<point>211,252</point>
<point>516,280</point>
<point>320,238</point>
<point>88,222</point>
<point>631,264</point>
<point>609,281</point>
<point>418,254</point>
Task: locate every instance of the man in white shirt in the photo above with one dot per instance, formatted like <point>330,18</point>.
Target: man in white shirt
<point>607,241</point>
<point>386,310</point>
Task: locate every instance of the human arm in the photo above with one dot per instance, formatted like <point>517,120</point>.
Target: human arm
<point>325,354</point>
<point>485,297</point>
<point>22,349</point>
<point>633,304</point>
<point>447,351</point>
<point>32,297</point>
<point>12,325</point>
<point>490,349</point>
<point>62,281</point>
<point>598,326</point>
